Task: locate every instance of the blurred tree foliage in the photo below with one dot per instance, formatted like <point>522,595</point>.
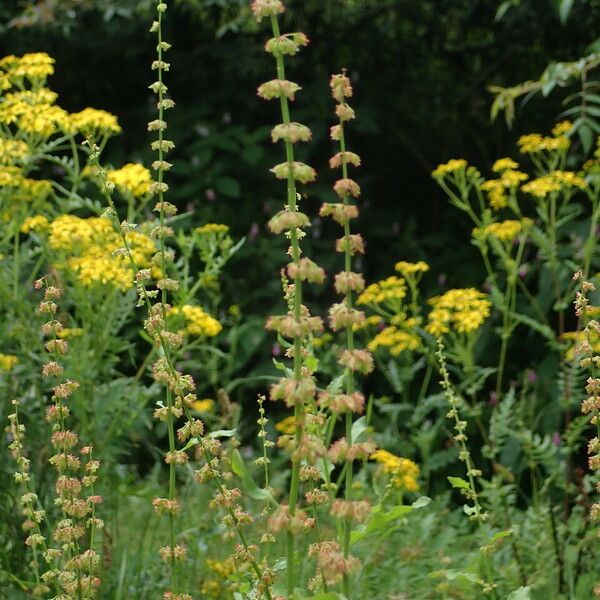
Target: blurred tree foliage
<point>421,69</point>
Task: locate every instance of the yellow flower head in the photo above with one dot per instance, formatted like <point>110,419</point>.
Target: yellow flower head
<point>562,128</point>
<point>35,66</point>
<point>35,223</point>
<point>212,228</point>
<point>133,178</point>
<point>396,339</point>
<point>204,406</point>
<point>496,193</point>
<point>287,426</point>
<point>391,289</point>
<point>407,268</point>
<point>8,362</point>
<point>553,182</point>
<point>455,164</point>
<point>12,151</point>
<point>198,321</point>
<point>404,471</point>
<point>87,248</point>
<point>505,231</point>
<point>534,143</point>
<point>504,164</point>
<point>93,122</point>
<point>461,310</point>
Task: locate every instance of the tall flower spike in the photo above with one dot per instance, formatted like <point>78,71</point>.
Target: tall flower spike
<point>179,386</point>
<point>297,325</point>
<point>343,315</point>
<point>155,324</point>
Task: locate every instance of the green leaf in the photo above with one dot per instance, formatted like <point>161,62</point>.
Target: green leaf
<point>564,10</point>
<point>238,466</point>
<point>523,593</point>
<point>381,522</point>
<point>458,482</point>
<point>358,428</point>
<point>421,502</point>
<point>192,442</point>
<point>222,433</point>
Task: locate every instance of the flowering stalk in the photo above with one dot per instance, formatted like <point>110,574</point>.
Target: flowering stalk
<point>467,488</point>
<point>297,324</point>
<point>591,404</point>
<point>343,316</point>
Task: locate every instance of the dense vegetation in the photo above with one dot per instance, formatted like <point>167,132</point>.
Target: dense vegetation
<point>370,373</point>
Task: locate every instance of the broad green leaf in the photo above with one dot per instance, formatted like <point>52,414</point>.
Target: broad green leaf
<point>380,521</point>
<point>222,433</point>
<point>523,593</point>
<point>458,482</point>
<point>238,466</point>
<point>358,428</point>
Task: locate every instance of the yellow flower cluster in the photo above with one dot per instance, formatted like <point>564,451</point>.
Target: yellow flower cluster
<point>198,321</point>
<point>505,231</point>
<point>463,310</point>
<point>92,122</point>
<point>287,426</point>
<point>404,471</point>
<point>407,268</point>
<point>218,586</point>
<point>391,289</point>
<point>34,66</point>
<point>509,180</point>
<point>456,164</point>
<point>33,111</point>
<point>397,339</point>
<point>504,164</point>
<point>553,182</point>
<point>35,223</point>
<point>212,228</point>
<point>8,362</point>
<point>533,143</point>
<point>371,321</point>
<point>12,151</point>
<point>132,178</point>
<point>22,189</point>
<point>574,339</point>
<point>204,406</point>
<point>88,246</point>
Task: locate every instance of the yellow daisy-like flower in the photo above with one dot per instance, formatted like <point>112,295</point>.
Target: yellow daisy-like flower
<point>404,472</point>
<point>133,178</point>
<point>8,362</point>
<point>461,310</point>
